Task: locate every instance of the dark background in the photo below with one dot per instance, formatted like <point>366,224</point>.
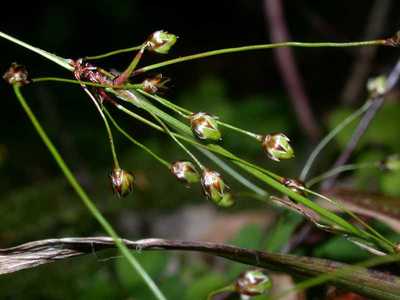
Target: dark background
<point>245,89</point>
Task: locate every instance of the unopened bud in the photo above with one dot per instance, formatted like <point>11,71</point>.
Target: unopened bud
<point>391,163</point>
<point>154,84</point>
<point>185,172</point>
<point>205,126</point>
<point>376,86</point>
<point>252,283</point>
<point>122,182</point>
<point>215,188</point>
<point>277,146</point>
<point>16,74</point>
<point>295,185</point>
<point>161,41</point>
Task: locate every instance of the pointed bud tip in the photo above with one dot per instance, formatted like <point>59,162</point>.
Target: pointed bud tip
<point>185,172</point>
<point>16,74</point>
<point>205,126</point>
<point>161,41</point>
<point>277,147</point>
<point>121,182</point>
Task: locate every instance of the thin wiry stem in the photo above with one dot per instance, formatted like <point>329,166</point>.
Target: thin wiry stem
<point>85,198</point>
<point>111,53</point>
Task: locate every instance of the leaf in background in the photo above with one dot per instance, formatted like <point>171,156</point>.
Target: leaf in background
<point>203,286</point>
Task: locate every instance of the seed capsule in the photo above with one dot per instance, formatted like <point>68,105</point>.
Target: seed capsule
<point>215,189</point>
<point>252,283</point>
<point>185,172</point>
<point>295,185</point>
<point>277,146</point>
<point>122,182</point>
<point>16,74</point>
<point>161,41</point>
<point>205,126</point>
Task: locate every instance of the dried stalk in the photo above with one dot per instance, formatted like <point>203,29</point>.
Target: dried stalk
<point>370,283</point>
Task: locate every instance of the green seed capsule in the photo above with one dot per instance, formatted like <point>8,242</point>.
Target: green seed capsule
<point>252,283</point>
<point>215,189</point>
<point>185,172</point>
<point>122,182</point>
<point>205,126</point>
<point>277,146</point>
<point>161,41</point>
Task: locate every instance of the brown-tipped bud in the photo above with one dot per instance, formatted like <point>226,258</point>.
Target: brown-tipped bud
<point>122,182</point>
<point>185,172</point>
<point>154,84</point>
<point>205,126</point>
<point>394,40</point>
<point>252,283</point>
<point>161,41</point>
<point>295,185</point>
<point>215,189</point>
<point>277,146</point>
<point>16,74</point>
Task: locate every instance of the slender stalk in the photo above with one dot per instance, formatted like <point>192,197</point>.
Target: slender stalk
<point>54,58</point>
<point>136,142</point>
<point>338,170</point>
<point>330,136</point>
<point>166,129</point>
<point>124,77</point>
<point>257,47</point>
<point>109,132</point>
<point>111,53</point>
<point>85,198</point>
<point>245,132</point>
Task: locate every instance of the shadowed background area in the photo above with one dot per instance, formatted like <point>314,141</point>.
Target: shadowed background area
<point>247,89</point>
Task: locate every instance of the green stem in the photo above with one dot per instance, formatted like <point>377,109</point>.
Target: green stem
<point>111,53</point>
<point>166,129</point>
<point>109,132</point>
<point>245,132</point>
<point>376,236</point>
<point>330,136</point>
<point>338,170</point>
<point>85,198</point>
<point>54,58</point>
<point>137,143</point>
<point>256,47</point>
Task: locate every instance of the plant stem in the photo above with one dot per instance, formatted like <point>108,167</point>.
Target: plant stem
<point>109,132</point>
<point>256,47</point>
<point>85,198</point>
<point>338,170</point>
<point>54,58</point>
<point>111,53</point>
<point>137,143</point>
<point>330,136</point>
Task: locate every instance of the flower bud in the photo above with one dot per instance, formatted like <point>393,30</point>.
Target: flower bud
<point>122,182</point>
<point>215,189</point>
<point>16,74</point>
<point>154,84</point>
<point>252,283</point>
<point>277,146</point>
<point>376,86</point>
<point>161,41</point>
<point>391,163</point>
<point>185,172</point>
<point>295,185</point>
<point>205,126</point>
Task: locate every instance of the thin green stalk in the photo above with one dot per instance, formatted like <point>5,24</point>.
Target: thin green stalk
<point>109,132</point>
<point>54,58</point>
<point>111,53</point>
<point>256,47</point>
<point>166,129</point>
<point>338,170</point>
<point>136,142</point>
<point>245,132</point>
<point>376,236</point>
<point>176,108</point>
<point>85,198</point>
<point>330,136</point>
